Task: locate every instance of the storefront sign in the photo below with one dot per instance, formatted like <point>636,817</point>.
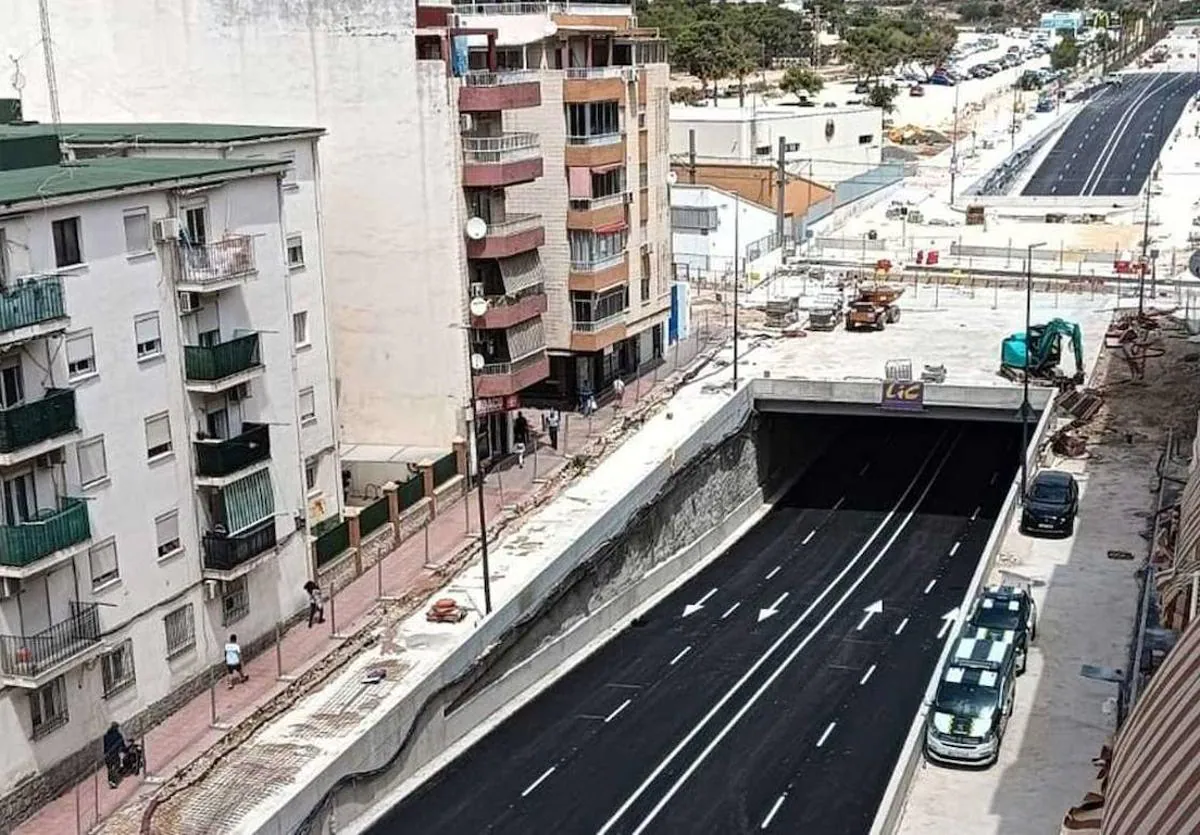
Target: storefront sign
<point>491,405</point>
<point>905,395</point>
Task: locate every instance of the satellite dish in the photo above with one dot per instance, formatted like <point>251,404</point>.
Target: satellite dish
<point>672,178</point>
<point>476,362</point>
<point>476,228</point>
<point>478,306</point>
<point>1194,264</point>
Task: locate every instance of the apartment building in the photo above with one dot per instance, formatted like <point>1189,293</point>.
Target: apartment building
<point>152,421</point>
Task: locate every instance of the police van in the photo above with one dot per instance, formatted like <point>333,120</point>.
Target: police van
<point>974,700</point>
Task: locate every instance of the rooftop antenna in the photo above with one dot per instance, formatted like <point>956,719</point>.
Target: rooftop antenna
<point>48,56</point>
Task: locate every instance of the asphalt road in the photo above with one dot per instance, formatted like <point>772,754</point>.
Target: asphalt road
<point>1111,145</point>
<point>768,692</point>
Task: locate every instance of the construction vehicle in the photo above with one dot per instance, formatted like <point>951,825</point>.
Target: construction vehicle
<point>874,307</point>
<point>1040,352</point>
<point>826,314</point>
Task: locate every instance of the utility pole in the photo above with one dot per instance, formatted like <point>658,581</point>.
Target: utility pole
<point>816,56</point>
<point>692,156</point>
<point>954,147</point>
<point>1145,246</point>
<point>737,243</point>
<point>780,187</point>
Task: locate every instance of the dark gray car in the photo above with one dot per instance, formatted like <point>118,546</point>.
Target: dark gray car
<point>1051,504</point>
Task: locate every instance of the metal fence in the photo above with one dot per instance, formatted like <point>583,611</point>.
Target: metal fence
<point>444,469</point>
<point>373,517</point>
<point>411,491</point>
<point>332,543</point>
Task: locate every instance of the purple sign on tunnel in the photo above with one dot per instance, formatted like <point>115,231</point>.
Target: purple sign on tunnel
<point>904,395</point>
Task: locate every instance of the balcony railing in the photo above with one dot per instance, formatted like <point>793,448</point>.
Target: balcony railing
<point>469,7</point>
<point>596,139</point>
<point>597,264</point>
<point>29,656</point>
<point>37,421</point>
<point>221,458</point>
<point>501,78</point>
<point>511,146</point>
<point>514,224</point>
<point>207,364</point>
<point>217,261</point>
<point>516,366</point>
<point>597,72</point>
<point>599,324</point>
<point>25,543</point>
<point>31,301</point>
<point>591,204</point>
<point>225,553</point>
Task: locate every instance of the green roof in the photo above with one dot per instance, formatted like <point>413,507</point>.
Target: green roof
<point>58,181</point>
<point>157,133</point>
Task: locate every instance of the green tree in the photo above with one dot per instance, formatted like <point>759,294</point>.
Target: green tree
<point>800,82</point>
<point>973,11</point>
<point>701,51</point>
<point>743,52</point>
<point>883,96</point>
<point>1065,54</point>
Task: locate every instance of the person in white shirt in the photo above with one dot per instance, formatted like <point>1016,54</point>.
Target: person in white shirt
<point>233,662</point>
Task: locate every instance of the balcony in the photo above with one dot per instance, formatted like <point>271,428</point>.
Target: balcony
<point>592,84</point>
<point>509,159</point>
<point>213,369</point>
<point>220,462</point>
<point>230,557</point>
<point>597,212</point>
<point>33,308</point>
<point>599,274</point>
<point>37,427</point>
<point>595,151</point>
<point>506,311</point>
<point>501,379</point>
<point>486,92</point>
<point>53,538</point>
<point>30,661</point>
<point>212,267</point>
<point>598,335</point>
<point>511,236</point>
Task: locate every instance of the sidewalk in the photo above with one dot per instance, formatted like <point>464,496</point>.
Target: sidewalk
<point>189,733</point>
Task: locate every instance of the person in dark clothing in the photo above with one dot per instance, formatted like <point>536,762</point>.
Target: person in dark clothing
<point>115,748</point>
<point>520,438</point>
<point>316,603</point>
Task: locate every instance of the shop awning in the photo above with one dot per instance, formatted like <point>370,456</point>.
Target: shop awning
<point>525,338</point>
<point>248,501</point>
<point>520,272</point>
<point>610,228</point>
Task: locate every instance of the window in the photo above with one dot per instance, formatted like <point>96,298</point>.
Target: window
<point>308,405</point>
<point>596,307</point>
<point>289,176</point>
<point>589,248</point>
<point>166,533</point>
<point>148,336</point>
<point>93,464</point>
<point>116,669</point>
<point>137,232</point>
<point>694,218</point>
<point>81,355</point>
<point>866,138</point>
<point>158,435</point>
<point>602,118</point>
<point>103,560</point>
<point>180,627</point>
<point>645,288</point>
<point>300,328</point>
<point>48,707</point>
<point>642,118</point>
<point>310,474</point>
<point>295,251</point>
<point>763,150</point>
<point>235,601</point>
<point>67,252</point>
<point>791,147</point>
<point>643,175</point>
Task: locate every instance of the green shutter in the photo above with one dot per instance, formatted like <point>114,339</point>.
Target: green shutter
<point>248,501</point>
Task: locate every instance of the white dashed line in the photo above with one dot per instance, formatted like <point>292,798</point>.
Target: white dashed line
<point>811,534</point>
<point>773,571</point>
<point>682,653</point>
<point>995,476</point>
<point>866,675</point>
<point>825,735</point>
<point>838,503</point>
<point>929,587</point>
<point>866,467</point>
<point>954,547</point>
<point>900,628</point>
<point>729,611</point>
<point>976,513</point>
<point>538,781</point>
<point>771,814</point>
<point>620,707</point>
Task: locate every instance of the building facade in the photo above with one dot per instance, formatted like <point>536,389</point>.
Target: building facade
<point>151,433</point>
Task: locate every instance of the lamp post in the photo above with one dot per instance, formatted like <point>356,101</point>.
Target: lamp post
<point>954,146</point>
<point>737,213</point>
<point>477,364</point>
<point>1025,407</point>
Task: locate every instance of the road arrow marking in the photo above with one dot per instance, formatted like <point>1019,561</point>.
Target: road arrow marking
<point>692,608</point>
<point>773,609</point>
<point>948,620</point>
<point>874,609</point>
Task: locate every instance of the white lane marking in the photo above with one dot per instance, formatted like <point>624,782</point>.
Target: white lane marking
<point>692,608</point>
<point>948,620</point>
<point>1126,118</point>
<point>929,587</point>
<point>729,611</point>
<point>874,609</point>
<point>811,534</point>
<point>682,653</point>
<point>900,628</point>
<point>995,476</point>
<point>538,781</point>
<point>620,707</point>
<point>976,513</point>
<point>771,650</point>
<point>866,467</point>
<point>866,675</point>
<point>825,736</point>
<point>837,505</point>
<point>954,547</point>
<point>773,571</point>
<point>771,610</point>
<point>771,814</point>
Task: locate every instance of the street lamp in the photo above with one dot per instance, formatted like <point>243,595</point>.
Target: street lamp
<point>954,146</point>
<point>1025,407</point>
<point>479,307</point>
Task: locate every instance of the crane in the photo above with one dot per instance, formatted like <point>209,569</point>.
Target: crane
<point>1039,352</point>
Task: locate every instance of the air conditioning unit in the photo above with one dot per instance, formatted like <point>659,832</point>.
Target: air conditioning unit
<point>167,229</point>
<point>50,459</point>
<point>477,289</point>
<point>211,587</point>
<point>189,302</point>
<point>239,393</point>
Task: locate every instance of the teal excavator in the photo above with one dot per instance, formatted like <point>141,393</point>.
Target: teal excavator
<point>1043,350</point>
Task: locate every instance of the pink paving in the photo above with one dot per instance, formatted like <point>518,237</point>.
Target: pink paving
<point>189,732</point>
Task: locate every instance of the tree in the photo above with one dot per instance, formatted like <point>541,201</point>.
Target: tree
<point>742,58</point>
<point>931,48</point>
<point>801,82</point>
<point>1065,54</point>
<point>700,51</point>
<point>883,96</point>
<point>973,11</point>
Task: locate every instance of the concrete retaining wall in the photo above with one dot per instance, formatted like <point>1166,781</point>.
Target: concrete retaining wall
<point>791,393</point>
<point>891,808</point>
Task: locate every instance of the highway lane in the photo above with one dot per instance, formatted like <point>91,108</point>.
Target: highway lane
<point>570,758</point>
<point>1111,145</point>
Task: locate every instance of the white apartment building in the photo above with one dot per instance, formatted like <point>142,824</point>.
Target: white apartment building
<point>152,484</point>
<point>828,146</point>
<point>709,225</point>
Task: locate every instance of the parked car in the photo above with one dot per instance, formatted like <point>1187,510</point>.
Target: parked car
<point>1051,504</point>
<point>973,702</point>
<point>862,88</point>
<point>1005,609</point>
<point>916,91</point>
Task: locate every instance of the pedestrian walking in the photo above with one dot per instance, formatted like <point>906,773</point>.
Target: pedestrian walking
<point>316,603</point>
<point>233,662</point>
<point>552,420</point>
<point>585,397</point>
<point>520,438</point>
<point>619,392</point>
